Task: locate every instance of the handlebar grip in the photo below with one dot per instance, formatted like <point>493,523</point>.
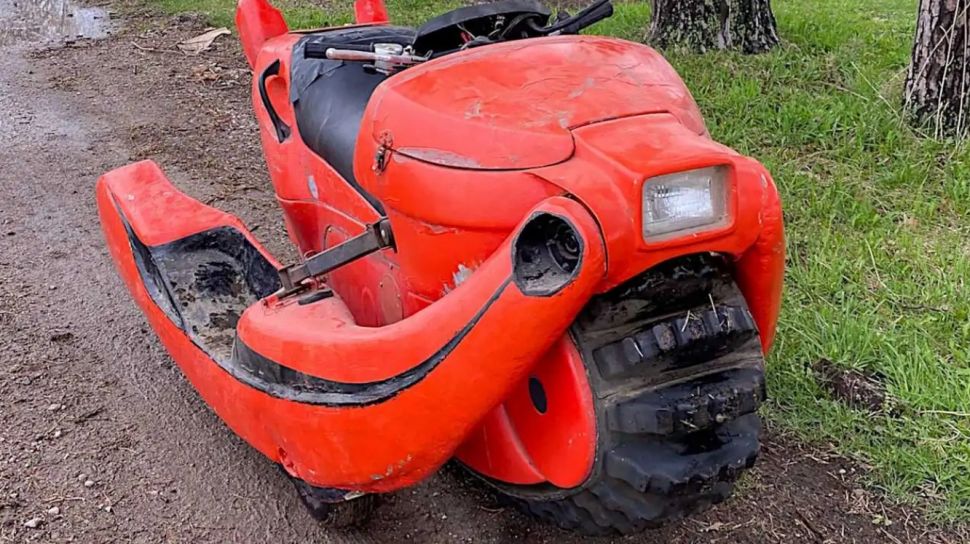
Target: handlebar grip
<point>318,50</point>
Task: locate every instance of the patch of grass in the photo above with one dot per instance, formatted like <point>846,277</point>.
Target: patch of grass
<point>878,222</point>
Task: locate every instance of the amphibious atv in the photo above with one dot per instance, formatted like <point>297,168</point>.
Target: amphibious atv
<point>521,249</point>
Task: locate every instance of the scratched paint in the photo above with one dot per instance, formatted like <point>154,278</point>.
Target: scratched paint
<point>459,277</point>
<point>439,156</point>
<point>521,116</point>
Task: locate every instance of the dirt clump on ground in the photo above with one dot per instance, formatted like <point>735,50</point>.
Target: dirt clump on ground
<point>856,389</point>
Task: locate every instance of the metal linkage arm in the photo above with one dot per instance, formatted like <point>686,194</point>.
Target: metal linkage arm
<point>377,236</point>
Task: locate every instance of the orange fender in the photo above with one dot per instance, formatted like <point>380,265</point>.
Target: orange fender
<point>370,12</point>
<point>257,22</point>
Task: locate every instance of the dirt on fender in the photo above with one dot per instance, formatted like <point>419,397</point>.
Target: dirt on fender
<point>103,440</point>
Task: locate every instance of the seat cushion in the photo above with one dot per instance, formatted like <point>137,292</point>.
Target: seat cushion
<point>329,96</point>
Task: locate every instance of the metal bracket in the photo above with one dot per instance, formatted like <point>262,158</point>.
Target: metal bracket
<point>383,154</point>
<point>377,236</point>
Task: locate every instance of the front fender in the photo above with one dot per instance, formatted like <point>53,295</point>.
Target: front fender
<point>613,161</point>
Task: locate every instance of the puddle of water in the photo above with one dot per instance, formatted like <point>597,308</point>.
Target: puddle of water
<point>50,20</point>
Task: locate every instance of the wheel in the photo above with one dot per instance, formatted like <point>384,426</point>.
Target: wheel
<point>331,510</point>
<point>674,362</point>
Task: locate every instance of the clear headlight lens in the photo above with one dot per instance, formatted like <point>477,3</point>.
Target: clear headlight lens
<point>684,203</point>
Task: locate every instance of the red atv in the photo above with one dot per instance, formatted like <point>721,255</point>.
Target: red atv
<point>521,248</point>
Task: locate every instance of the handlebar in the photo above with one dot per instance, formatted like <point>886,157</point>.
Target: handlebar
<point>395,56</point>
<point>384,58</point>
<point>371,56</point>
<point>594,13</point>
<point>318,50</point>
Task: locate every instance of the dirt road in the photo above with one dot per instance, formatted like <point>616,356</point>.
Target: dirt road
<point>104,441</point>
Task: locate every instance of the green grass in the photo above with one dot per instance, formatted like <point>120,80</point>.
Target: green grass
<point>878,222</point>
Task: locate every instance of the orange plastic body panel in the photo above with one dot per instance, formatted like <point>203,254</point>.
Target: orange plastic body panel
<point>315,223</point>
<point>384,442</point>
<point>522,114</point>
<point>607,174</point>
<point>557,446</point>
<point>257,21</point>
<point>633,150</point>
<point>477,140</point>
<point>370,12</point>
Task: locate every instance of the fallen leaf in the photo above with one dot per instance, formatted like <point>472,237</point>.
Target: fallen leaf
<point>202,42</point>
<point>714,527</point>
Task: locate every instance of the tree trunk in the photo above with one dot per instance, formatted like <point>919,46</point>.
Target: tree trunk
<point>938,83</point>
<point>702,25</point>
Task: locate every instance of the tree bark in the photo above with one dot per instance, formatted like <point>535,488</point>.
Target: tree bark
<point>938,83</point>
<point>703,25</point>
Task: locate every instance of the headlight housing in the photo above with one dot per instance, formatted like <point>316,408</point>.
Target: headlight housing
<point>684,203</point>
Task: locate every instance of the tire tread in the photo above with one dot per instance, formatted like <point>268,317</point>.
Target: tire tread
<point>678,387</point>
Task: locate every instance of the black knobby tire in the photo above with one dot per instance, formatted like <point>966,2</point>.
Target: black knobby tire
<point>336,514</point>
<point>675,364</point>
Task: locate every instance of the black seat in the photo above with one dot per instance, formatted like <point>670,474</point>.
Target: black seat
<point>329,96</point>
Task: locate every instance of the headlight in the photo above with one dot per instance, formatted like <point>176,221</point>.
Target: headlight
<point>684,203</point>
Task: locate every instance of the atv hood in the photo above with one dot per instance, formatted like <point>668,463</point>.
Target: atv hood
<point>514,105</point>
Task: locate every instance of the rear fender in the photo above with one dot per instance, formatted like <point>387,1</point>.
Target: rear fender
<point>257,21</point>
<point>370,12</point>
<point>339,405</point>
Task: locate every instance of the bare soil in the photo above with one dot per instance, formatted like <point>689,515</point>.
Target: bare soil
<point>104,441</point>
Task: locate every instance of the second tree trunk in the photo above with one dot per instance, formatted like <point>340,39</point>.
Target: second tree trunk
<point>702,25</point>
<point>938,83</point>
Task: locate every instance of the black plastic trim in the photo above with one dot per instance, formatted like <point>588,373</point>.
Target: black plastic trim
<point>279,381</point>
<point>151,277</point>
<point>282,129</point>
